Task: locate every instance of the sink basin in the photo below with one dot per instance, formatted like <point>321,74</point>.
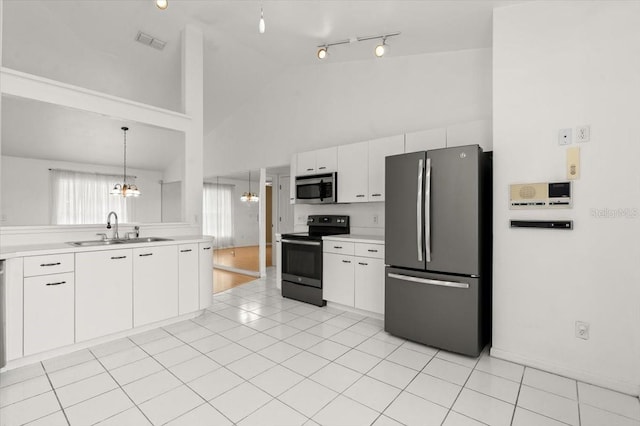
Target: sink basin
<point>121,241</point>
<point>95,243</point>
<point>144,240</point>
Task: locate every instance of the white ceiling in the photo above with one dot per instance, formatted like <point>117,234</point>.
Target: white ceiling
<point>91,43</point>
<point>44,131</point>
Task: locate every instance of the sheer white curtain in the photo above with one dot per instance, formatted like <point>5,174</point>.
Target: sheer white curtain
<point>217,213</point>
<point>83,198</point>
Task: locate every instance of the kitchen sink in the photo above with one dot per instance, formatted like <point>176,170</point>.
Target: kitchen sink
<point>120,241</point>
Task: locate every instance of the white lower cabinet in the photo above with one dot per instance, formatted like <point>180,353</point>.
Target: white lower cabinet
<point>188,279</point>
<point>103,293</point>
<point>337,278</point>
<point>354,280</point>
<point>155,284</point>
<point>48,312</point>
<point>369,284</point>
<point>206,274</point>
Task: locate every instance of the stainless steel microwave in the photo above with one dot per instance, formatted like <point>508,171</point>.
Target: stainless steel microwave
<point>317,189</point>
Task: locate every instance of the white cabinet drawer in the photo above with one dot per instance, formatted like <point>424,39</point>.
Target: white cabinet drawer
<point>369,250</point>
<point>339,247</point>
<point>48,312</point>
<point>50,264</point>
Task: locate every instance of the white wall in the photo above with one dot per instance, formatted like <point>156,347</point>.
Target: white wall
<point>331,104</point>
<point>560,65</point>
<point>25,190</point>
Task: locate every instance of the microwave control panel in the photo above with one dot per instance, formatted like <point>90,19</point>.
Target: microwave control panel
<point>544,195</point>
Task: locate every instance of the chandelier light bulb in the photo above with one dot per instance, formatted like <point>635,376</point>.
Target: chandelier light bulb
<point>162,4</point>
<point>322,53</point>
<point>261,25</point>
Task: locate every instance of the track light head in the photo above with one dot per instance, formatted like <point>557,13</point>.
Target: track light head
<point>261,25</point>
<point>381,49</point>
<point>162,4</point>
<point>322,52</point>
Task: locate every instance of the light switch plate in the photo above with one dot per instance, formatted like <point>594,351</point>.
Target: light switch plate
<point>564,137</point>
<point>573,163</point>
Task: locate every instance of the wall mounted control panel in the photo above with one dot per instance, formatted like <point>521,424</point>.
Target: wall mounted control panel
<point>545,195</point>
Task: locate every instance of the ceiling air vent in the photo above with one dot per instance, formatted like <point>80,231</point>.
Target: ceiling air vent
<point>148,40</point>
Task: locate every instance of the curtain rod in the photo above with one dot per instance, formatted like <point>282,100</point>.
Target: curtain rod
<point>91,173</point>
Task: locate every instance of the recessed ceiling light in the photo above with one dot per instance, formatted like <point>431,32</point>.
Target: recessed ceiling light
<point>162,4</point>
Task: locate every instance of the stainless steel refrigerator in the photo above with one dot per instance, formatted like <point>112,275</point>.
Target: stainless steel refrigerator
<point>438,247</point>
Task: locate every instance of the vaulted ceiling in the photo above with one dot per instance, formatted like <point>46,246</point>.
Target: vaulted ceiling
<point>91,43</point>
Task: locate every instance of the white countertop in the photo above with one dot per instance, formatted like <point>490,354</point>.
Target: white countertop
<point>355,238</point>
<point>53,248</point>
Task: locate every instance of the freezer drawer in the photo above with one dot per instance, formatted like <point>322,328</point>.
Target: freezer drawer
<point>437,310</point>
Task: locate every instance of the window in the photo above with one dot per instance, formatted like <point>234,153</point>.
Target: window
<point>83,198</point>
<point>217,214</point>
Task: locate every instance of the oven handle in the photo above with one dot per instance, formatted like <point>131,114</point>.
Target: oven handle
<point>303,243</point>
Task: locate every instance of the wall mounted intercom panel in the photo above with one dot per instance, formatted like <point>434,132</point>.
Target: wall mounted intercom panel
<point>544,195</point>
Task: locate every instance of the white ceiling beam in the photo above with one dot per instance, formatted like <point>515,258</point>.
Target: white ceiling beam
<point>29,86</point>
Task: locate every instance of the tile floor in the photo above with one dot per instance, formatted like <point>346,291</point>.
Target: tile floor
<point>255,358</point>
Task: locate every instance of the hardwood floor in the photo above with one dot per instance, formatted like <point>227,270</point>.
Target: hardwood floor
<point>240,257</point>
<point>224,280</point>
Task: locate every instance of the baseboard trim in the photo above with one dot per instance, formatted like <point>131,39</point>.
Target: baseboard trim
<point>583,376</point>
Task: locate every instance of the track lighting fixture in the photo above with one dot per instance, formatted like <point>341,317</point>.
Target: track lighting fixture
<point>162,4</point>
<point>261,25</point>
<point>379,51</point>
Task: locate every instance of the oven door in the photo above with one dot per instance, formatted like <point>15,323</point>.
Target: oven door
<point>302,261</point>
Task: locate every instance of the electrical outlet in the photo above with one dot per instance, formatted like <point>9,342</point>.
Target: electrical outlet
<point>582,330</point>
<point>583,133</point>
<point>375,219</point>
<point>564,137</point>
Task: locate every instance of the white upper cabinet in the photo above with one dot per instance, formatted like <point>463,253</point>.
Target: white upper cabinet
<point>379,149</point>
<point>477,132</point>
<point>317,162</point>
<point>353,172</point>
<point>326,160</point>
<point>306,163</point>
<point>426,140</point>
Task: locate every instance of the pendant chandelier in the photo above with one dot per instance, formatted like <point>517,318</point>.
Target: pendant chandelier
<point>125,189</point>
<point>249,197</point>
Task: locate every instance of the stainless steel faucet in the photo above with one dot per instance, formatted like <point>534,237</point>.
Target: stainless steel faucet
<point>115,230</point>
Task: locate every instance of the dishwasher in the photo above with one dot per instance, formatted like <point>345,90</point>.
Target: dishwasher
<point>3,355</point>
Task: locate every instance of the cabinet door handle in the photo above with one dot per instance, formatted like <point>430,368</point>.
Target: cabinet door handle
<point>360,195</point>
<point>309,170</point>
<point>185,251</point>
<point>206,248</point>
<point>376,195</point>
<point>337,247</point>
<point>346,261</point>
<point>58,283</point>
<point>118,257</point>
<point>372,251</point>
<point>145,254</point>
<point>50,264</point>
<point>362,263</point>
<point>321,168</point>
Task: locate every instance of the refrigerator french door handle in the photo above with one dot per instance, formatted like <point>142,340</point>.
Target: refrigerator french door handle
<point>427,212</point>
<point>428,281</point>
<point>419,209</point>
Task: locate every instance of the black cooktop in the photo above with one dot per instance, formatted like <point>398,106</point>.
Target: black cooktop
<point>322,225</point>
